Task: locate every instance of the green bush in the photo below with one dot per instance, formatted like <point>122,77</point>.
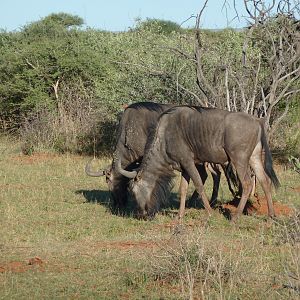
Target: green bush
<point>158,26</point>
<point>47,66</point>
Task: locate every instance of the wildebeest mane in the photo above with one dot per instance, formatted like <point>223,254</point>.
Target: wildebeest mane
<point>194,107</point>
<point>153,129</point>
<point>150,144</point>
<point>151,136</point>
<point>151,106</point>
<point>163,173</point>
<point>160,193</point>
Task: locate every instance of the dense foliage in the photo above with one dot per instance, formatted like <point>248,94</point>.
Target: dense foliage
<point>62,86</point>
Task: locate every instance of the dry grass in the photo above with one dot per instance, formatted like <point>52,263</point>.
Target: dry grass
<point>58,239</point>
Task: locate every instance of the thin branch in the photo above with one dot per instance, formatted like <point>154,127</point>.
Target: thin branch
<point>55,88</point>
<point>30,64</point>
<point>290,74</point>
<point>200,14</point>
<point>245,46</point>
<point>227,89</point>
<point>255,85</point>
<point>201,102</point>
<point>182,53</point>
<point>285,89</point>
<point>199,72</point>
<point>192,16</point>
<point>279,120</point>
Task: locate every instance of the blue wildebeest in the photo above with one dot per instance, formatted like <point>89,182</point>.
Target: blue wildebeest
<point>137,121</point>
<point>186,136</point>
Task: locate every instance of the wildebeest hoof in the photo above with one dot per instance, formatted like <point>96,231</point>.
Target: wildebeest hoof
<point>272,217</point>
<point>270,221</point>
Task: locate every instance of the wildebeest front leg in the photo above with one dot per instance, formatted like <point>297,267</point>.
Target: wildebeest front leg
<point>192,171</point>
<point>184,183</point>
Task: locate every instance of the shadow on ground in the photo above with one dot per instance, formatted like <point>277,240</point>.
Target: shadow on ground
<point>95,196</point>
<point>103,198</point>
<point>170,209</point>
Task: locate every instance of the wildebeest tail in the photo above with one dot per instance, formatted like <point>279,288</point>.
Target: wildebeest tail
<point>268,160</point>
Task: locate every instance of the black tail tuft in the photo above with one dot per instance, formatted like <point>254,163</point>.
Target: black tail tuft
<point>268,161</point>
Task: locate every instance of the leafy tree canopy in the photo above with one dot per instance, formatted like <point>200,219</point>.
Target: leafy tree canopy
<point>53,25</point>
<point>158,25</point>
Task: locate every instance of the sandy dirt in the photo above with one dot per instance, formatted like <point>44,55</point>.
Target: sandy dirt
<point>259,207</point>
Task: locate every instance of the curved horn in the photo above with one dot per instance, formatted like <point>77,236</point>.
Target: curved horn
<point>128,174</point>
<point>88,170</point>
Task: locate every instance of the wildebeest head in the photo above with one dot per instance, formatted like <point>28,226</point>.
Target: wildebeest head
<point>115,181</point>
<point>149,188</point>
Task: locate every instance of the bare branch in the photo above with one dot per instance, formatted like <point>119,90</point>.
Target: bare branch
<point>201,102</point>
<point>279,120</point>
<point>200,14</point>
<point>192,16</point>
<point>245,46</point>
<point>30,64</point>
<point>255,85</point>
<point>55,88</point>
<point>202,82</point>
<point>182,53</point>
<point>227,89</point>
<point>296,71</point>
<point>227,4</point>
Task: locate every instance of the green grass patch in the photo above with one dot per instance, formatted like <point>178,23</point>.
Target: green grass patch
<point>59,239</point>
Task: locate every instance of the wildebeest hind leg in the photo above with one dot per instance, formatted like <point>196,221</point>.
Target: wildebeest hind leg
<point>194,175</point>
<point>246,182</point>
<point>184,183</point>
<point>216,175</point>
<point>263,178</point>
<point>203,173</point>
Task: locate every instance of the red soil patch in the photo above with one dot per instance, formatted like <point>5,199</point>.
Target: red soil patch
<point>296,189</point>
<point>14,267</point>
<point>35,158</point>
<point>35,261</point>
<point>259,207</point>
<point>21,267</point>
<point>16,186</point>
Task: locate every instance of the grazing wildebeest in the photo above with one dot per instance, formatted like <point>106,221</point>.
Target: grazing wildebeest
<point>188,135</point>
<point>137,121</point>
